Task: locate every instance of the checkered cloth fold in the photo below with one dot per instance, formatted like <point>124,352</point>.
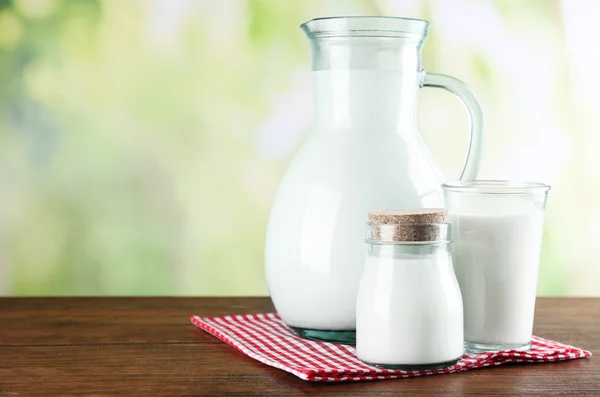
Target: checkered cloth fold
<point>265,338</point>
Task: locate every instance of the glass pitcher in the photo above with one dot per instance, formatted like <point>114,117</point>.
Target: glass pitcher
<point>364,154</point>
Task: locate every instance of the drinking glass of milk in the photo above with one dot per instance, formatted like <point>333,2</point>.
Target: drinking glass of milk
<point>497,228</point>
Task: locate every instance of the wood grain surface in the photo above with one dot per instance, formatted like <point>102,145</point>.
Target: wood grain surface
<point>146,346</point>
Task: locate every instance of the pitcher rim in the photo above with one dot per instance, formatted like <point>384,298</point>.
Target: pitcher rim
<point>373,26</point>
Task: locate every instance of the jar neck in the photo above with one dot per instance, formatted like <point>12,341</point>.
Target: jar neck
<point>410,251</point>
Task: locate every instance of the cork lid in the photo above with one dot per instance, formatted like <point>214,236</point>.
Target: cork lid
<point>413,215</point>
<point>409,225</point>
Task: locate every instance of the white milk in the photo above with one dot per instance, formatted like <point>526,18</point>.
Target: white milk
<point>409,312</point>
<point>496,259</point>
<point>363,155</point>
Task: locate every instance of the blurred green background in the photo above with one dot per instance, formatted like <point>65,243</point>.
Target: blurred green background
<point>142,142</point>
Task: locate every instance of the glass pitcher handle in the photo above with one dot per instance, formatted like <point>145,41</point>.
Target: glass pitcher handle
<point>467,96</point>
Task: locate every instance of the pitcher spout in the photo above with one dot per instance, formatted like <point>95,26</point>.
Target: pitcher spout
<point>366,43</point>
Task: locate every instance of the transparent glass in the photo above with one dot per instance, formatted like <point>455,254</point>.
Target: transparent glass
<point>369,47</point>
<point>364,153</point>
<point>497,228</point>
<point>409,308</point>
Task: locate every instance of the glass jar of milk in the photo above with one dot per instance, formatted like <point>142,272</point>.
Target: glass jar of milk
<point>497,228</point>
<point>409,312</point>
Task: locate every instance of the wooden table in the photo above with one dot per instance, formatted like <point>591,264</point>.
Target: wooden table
<point>146,346</point>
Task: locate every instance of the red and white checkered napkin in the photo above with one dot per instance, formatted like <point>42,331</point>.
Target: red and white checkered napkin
<point>265,338</point>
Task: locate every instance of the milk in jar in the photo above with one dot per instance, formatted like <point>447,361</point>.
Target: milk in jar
<point>409,311</point>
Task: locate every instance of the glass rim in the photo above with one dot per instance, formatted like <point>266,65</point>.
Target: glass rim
<point>365,26</point>
<point>496,187</point>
